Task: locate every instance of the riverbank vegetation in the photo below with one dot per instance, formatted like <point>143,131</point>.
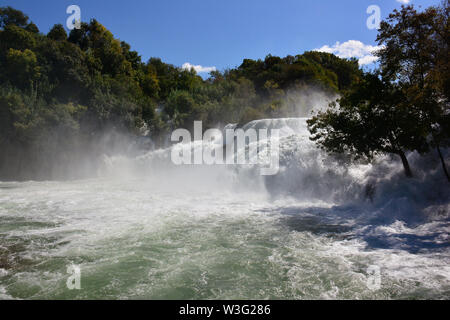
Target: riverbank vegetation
<point>63,94</point>
<point>403,106</point>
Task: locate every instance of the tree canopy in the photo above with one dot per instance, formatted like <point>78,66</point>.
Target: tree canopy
<point>76,85</point>
<point>402,106</point>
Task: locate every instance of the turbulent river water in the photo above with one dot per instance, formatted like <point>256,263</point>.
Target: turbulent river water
<point>146,229</point>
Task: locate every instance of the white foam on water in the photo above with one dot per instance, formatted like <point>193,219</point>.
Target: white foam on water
<point>146,228</point>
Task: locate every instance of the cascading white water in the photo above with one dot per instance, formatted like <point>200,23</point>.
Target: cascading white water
<point>306,172</point>
<point>146,228</point>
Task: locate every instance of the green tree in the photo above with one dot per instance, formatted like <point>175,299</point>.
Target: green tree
<point>404,107</point>
<point>415,55</point>
<point>31,27</point>
<point>149,81</point>
<point>16,38</point>
<point>22,68</point>
<point>74,87</point>
<point>130,55</point>
<point>183,109</point>
<point>57,33</point>
<point>11,16</point>
<point>370,119</point>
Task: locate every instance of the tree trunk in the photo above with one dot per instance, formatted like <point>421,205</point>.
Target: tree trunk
<point>444,166</point>
<point>406,166</point>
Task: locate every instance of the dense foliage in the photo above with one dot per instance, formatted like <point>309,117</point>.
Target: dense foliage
<point>60,93</point>
<point>403,106</point>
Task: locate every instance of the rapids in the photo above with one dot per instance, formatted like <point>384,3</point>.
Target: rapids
<point>145,228</point>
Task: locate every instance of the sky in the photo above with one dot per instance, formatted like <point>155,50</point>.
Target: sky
<point>219,34</point>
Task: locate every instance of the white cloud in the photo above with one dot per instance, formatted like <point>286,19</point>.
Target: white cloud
<point>353,49</point>
<point>404,1</point>
<point>367,60</point>
<point>198,68</point>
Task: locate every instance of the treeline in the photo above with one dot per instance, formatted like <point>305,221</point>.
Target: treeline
<point>403,106</point>
<point>61,94</point>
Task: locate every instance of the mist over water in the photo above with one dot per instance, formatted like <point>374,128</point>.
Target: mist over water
<point>145,228</point>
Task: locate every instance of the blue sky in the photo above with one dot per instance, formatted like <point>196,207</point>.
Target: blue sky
<point>220,33</point>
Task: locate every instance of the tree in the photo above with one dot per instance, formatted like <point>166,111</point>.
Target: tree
<point>415,55</point>
<point>370,119</point>
<point>404,106</point>
<point>347,71</point>
<point>10,16</point>
<point>22,68</point>
<point>132,56</point>
<point>81,84</point>
<point>31,27</point>
<point>57,33</point>
<point>149,81</point>
<point>16,38</point>
<point>80,36</point>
